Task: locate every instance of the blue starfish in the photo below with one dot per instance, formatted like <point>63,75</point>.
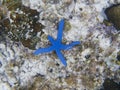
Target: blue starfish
<point>57,45</point>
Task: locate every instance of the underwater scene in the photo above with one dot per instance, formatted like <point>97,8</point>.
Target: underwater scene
<point>59,44</point>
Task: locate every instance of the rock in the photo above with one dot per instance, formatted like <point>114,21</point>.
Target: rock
<point>109,84</point>
<point>113,15</point>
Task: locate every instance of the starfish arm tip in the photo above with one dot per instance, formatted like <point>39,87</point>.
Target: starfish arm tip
<point>60,30</point>
<point>51,39</point>
<point>69,46</point>
<point>61,57</point>
<point>76,42</point>
<point>65,64</point>
<point>35,53</point>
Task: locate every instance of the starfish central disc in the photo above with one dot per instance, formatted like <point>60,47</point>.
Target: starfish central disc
<point>57,45</point>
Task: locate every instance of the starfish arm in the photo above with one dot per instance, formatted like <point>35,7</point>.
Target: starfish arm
<point>61,57</point>
<point>69,46</point>
<point>51,39</point>
<point>43,50</point>
<point>60,30</point>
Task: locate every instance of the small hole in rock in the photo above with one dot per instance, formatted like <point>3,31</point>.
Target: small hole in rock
<point>118,57</point>
<point>57,64</point>
<point>80,9</point>
<point>51,70</point>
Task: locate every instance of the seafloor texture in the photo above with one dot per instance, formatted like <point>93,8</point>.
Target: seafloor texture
<point>24,27</point>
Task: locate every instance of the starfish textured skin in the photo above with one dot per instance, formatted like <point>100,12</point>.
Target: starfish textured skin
<point>57,45</point>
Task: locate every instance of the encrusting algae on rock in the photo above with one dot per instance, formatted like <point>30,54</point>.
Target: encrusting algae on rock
<point>22,25</point>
